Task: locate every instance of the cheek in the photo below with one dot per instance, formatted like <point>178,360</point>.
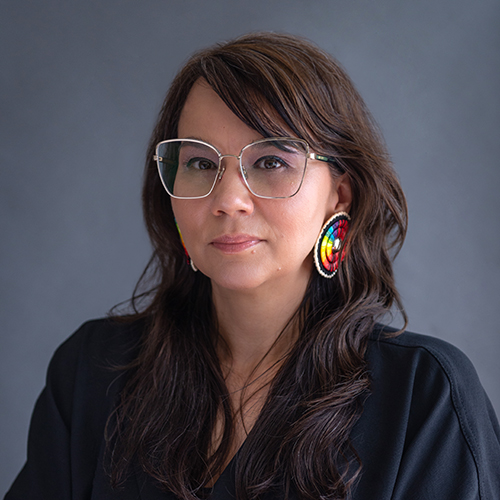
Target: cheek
<point>310,212</point>
<point>298,234</point>
<point>186,218</point>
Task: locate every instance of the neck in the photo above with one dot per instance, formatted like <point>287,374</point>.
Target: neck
<point>256,326</point>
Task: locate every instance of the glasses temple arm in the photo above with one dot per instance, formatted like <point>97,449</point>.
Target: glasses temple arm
<point>327,159</point>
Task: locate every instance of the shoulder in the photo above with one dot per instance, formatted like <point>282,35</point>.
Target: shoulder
<point>67,428</point>
<point>413,349</point>
<point>428,402</point>
<point>435,373</point>
<point>88,364</point>
<point>101,341</point>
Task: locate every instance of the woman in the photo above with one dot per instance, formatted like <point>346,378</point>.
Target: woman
<point>253,366</point>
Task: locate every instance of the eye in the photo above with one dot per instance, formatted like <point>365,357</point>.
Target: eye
<point>270,163</point>
<point>200,164</point>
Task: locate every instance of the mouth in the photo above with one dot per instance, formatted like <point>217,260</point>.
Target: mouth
<point>230,244</point>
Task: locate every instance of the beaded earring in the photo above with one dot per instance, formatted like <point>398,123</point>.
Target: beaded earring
<point>189,259</point>
<point>329,248</point>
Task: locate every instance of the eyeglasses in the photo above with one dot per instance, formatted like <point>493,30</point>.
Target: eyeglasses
<point>270,168</point>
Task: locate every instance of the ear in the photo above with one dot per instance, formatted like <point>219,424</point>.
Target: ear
<point>342,194</point>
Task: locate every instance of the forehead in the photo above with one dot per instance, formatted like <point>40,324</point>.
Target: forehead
<point>206,116</point>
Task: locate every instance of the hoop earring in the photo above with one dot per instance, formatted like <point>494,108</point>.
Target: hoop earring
<point>188,258</point>
<point>329,249</point>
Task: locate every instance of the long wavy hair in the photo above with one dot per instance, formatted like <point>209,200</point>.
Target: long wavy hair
<point>278,85</point>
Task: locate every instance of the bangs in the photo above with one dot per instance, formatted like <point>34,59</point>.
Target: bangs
<point>250,104</point>
<point>260,92</point>
<point>277,98</point>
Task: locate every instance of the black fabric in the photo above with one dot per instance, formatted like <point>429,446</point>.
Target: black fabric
<point>428,431</point>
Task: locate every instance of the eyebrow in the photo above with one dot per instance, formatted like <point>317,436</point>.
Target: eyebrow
<point>200,139</point>
<point>208,142</point>
<point>195,138</point>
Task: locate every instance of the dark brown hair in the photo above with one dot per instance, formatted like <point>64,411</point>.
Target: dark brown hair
<point>280,85</point>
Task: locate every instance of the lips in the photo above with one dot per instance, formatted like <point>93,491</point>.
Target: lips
<point>235,243</point>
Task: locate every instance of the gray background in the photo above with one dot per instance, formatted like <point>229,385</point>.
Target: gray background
<point>81,83</point>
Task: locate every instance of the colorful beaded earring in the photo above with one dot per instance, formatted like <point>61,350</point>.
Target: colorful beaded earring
<point>329,250</point>
<point>189,260</point>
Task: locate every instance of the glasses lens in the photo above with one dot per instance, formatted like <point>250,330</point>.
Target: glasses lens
<point>275,168</point>
<point>188,169</point>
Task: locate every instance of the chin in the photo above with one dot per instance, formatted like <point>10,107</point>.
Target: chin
<point>240,278</point>
<point>238,284</point>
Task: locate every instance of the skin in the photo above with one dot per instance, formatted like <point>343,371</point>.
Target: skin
<point>257,252</point>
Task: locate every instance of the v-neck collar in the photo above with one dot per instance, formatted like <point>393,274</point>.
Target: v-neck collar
<point>225,486</point>
<point>223,489</point>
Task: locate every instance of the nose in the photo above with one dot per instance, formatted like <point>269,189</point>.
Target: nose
<point>231,196</point>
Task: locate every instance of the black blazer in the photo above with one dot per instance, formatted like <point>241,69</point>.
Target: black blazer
<point>427,432</point>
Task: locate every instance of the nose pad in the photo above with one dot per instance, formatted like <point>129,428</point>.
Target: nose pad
<point>245,175</point>
<point>221,173</point>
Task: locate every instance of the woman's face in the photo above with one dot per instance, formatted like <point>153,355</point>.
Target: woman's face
<point>239,241</point>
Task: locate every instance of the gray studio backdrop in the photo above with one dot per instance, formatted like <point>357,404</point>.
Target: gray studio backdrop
<point>81,83</point>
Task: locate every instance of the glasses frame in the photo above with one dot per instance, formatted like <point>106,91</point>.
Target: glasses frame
<point>221,169</point>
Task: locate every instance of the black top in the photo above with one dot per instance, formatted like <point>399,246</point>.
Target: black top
<point>427,432</point>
